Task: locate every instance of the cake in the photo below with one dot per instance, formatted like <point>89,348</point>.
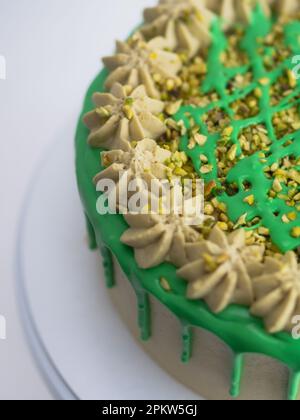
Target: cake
<point>205,93</point>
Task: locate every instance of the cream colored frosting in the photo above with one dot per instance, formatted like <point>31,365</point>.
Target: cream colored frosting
<point>218,269</point>
<point>277,292</point>
<point>159,238</point>
<point>233,11</point>
<point>181,25</point>
<point>136,62</point>
<point>123,115</point>
<point>145,163</point>
<point>287,7</point>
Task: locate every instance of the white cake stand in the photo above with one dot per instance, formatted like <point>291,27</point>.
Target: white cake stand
<point>78,341</point>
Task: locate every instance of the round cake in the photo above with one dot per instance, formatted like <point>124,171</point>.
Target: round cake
<point>187,161</point>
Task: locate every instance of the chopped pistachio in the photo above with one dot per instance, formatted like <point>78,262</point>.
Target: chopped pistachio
<point>165,284</point>
<point>209,187</point>
<point>277,186</point>
<point>173,108</point>
<point>129,101</point>
<point>264,81</point>
<point>264,231</point>
<point>206,169</point>
<point>222,207</point>
<point>232,152</point>
<point>296,232</point>
<point>170,84</point>
<point>227,131</point>
<point>242,221</point>
<point>200,139</point>
<point>102,112</point>
<point>192,143</point>
<point>223,226</point>
<point>180,172</point>
<point>128,112</point>
<point>292,78</point>
<point>292,216</point>
<point>209,209</point>
<point>203,158</point>
<point>250,200</point>
<point>285,219</point>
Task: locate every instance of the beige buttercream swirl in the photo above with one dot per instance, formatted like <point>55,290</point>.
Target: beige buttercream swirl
<point>277,292</point>
<point>218,269</point>
<point>181,25</point>
<point>234,11</point>
<point>286,7</point>
<point>123,115</point>
<point>135,63</point>
<point>159,238</point>
<point>144,164</point>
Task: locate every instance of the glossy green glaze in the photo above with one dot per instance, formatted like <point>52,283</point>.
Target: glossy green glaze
<point>187,342</point>
<point>237,372</point>
<point>235,326</point>
<point>90,234</point>
<point>108,266</point>
<point>294,386</point>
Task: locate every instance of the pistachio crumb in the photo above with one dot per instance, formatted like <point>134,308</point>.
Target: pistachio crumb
<point>165,284</point>
<point>250,200</point>
<point>296,232</point>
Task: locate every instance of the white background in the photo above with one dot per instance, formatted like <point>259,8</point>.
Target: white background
<point>52,49</point>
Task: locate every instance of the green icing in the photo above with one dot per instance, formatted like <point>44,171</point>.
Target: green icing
<point>235,326</point>
<point>294,386</point>
<point>144,308</point>
<point>237,372</point>
<point>250,170</point>
<point>108,266</point>
<point>91,234</point>
<point>187,342</point>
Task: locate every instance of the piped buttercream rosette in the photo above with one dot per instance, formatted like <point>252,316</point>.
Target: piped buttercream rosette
<point>287,7</point>
<point>159,238</point>
<point>136,62</point>
<point>123,115</point>
<point>277,292</point>
<point>181,25</point>
<point>234,11</point>
<point>217,270</point>
<point>139,170</point>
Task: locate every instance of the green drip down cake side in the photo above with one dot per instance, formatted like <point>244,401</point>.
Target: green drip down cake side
<point>214,93</point>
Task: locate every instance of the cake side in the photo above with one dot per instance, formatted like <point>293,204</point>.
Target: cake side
<point>206,361</point>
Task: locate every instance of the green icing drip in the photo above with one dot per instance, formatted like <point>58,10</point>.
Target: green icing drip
<point>294,387</point>
<point>144,315</point>
<point>144,308</point>
<point>108,266</point>
<point>187,342</point>
<point>91,234</point>
<point>237,372</point>
<point>250,169</point>
<point>235,326</point>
